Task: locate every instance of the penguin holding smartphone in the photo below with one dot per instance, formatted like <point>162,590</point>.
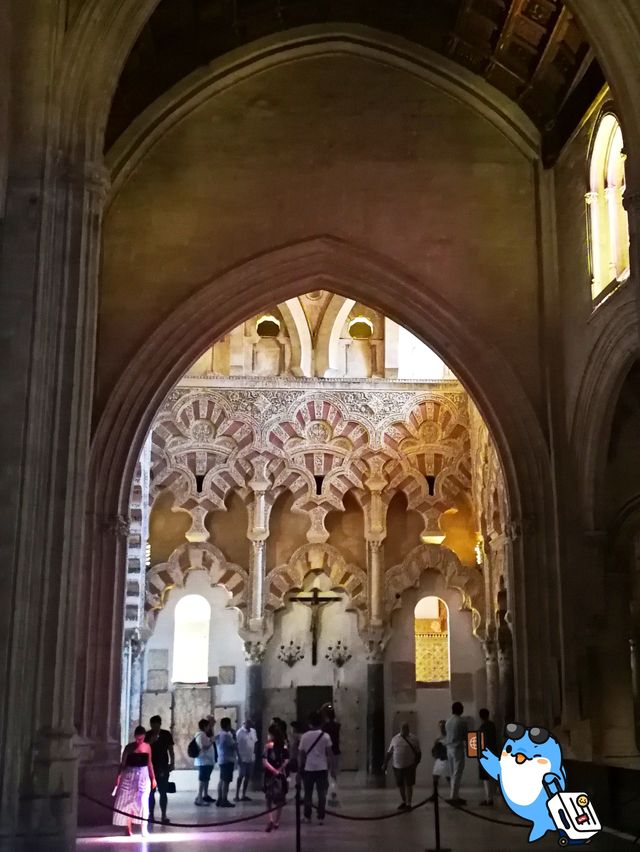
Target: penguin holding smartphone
<point>530,759</point>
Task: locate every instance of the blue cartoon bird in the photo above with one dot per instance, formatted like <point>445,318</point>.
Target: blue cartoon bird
<point>529,759</point>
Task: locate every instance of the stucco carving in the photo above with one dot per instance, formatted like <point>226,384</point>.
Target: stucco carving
<point>194,557</point>
<point>430,557</point>
<point>314,558</point>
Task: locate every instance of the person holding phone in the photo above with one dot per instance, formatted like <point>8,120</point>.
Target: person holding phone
<point>489,735</point>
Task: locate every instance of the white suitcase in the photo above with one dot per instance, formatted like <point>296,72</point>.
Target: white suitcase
<point>573,816</point>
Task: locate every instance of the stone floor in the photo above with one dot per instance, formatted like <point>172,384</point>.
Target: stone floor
<point>413,832</point>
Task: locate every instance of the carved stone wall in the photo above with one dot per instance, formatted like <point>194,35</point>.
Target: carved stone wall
<point>319,441</point>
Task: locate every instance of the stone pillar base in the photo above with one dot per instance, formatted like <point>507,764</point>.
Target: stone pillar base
<point>98,781</point>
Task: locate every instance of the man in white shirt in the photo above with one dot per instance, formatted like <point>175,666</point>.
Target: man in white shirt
<point>315,755</point>
<point>456,738</point>
<point>246,739</point>
<point>405,755</point>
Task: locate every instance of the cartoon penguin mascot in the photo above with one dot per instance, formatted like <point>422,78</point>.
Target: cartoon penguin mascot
<point>529,758</point>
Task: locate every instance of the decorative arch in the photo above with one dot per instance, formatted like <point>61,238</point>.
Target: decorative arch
<point>615,349</point>
<point>194,557</point>
<point>313,41</point>
<point>327,262</point>
<point>299,337</point>
<point>328,337</point>
<point>312,558</point>
<point>468,582</point>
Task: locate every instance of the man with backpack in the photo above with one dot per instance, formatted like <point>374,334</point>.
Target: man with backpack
<point>405,755</point>
<point>315,758</point>
<point>202,748</point>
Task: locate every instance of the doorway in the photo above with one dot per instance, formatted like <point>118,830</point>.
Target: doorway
<point>310,698</point>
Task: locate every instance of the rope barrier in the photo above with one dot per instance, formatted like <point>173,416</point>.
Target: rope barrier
<point>393,814</point>
<point>483,817</point>
<point>151,821</point>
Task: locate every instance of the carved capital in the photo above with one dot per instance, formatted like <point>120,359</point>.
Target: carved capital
<point>518,527</point>
<point>375,644</point>
<point>197,531</point>
<point>91,177</point>
<point>116,525</point>
<point>254,652</point>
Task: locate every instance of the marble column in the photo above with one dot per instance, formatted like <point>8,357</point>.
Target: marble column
<point>258,549</point>
<point>376,575</point>
<point>254,701</point>
<point>490,648</point>
<point>376,734</point>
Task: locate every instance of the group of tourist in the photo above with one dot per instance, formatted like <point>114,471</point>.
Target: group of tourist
<point>448,754</point>
<point>311,752</point>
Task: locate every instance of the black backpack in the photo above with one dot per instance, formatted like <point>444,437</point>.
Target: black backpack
<point>193,749</point>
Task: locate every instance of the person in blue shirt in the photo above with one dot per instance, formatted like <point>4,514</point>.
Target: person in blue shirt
<point>227,749</point>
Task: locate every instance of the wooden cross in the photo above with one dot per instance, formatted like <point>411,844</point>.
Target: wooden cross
<point>315,601</point>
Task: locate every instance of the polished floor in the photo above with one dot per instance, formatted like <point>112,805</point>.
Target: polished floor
<point>411,832</point>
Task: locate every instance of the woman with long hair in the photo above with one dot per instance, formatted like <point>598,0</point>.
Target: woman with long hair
<point>275,760</point>
<point>134,783</point>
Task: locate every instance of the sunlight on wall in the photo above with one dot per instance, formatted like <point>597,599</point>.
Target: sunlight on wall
<point>432,642</point>
<point>417,361</point>
<point>608,220</point>
<point>191,640</point>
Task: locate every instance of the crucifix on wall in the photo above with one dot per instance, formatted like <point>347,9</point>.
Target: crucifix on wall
<point>315,601</point>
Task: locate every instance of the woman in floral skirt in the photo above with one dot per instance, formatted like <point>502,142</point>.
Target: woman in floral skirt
<point>134,783</point>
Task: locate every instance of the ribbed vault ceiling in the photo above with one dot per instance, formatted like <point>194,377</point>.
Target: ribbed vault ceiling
<point>531,50</point>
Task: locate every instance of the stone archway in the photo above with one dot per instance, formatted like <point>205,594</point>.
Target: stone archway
<point>285,272</point>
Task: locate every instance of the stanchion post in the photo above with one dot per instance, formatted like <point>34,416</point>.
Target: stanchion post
<point>298,816</point>
<point>436,817</point>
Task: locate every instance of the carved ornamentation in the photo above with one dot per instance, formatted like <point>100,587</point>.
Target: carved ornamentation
<point>254,651</point>
<point>194,557</point>
<point>430,557</point>
<point>314,558</point>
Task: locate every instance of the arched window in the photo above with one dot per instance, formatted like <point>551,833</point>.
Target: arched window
<point>609,224</point>
<point>360,328</point>
<point>432,642</point>
<point>191,640</point>
<point>268,326</point>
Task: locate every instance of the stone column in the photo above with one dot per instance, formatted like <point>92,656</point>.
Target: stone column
<point>135,690</point>
<point>254,655</point>
<point>258,533</point>
<point>391,348</point>
<point>490,648</point>
<point>376,575</point>
<point>376,733</point>
<point>48,295</point>
<point>631,203</point>
<point>505,671</point>
<point>258,554</point>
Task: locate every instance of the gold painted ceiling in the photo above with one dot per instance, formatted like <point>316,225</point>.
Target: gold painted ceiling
<point>532,50</point>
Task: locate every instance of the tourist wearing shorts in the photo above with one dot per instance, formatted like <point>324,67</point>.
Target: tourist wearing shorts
<point>246,739</point>
<point>405,755</point>
<point>227,750</point>
<point>204,762</point>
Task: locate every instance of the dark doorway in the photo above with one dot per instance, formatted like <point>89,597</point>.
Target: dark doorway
<point>310,698</point>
